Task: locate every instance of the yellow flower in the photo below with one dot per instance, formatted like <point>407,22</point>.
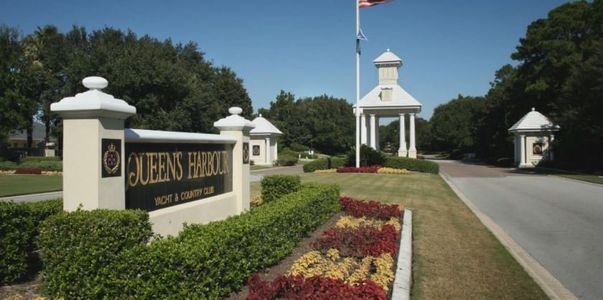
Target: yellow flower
<point>392,171</point>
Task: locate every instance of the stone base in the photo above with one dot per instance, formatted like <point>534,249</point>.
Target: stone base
<point>402,153</point>
<point>412,153</point>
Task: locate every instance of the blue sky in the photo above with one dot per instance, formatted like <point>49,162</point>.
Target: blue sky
<point>307,47</point>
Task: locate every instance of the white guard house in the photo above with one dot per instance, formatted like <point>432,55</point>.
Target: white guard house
<point>533,137</point>
<point>388,99</point>
<point>263,140</point>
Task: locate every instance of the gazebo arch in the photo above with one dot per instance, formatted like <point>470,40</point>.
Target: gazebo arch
<point>388,99</point>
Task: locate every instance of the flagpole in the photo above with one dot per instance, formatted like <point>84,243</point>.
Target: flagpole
<point>358,127</point>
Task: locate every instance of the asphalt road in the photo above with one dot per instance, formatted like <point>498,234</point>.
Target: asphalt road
<point>558,221</point>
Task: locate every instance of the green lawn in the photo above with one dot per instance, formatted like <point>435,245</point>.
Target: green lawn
<point>584,177</point>
<point>259,167</point>
<point>11,185</point>
<point>454,255</point>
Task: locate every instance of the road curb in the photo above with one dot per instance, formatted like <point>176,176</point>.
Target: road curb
<point>547,282</point>
<point>402,281</point>
<point>33,197</point>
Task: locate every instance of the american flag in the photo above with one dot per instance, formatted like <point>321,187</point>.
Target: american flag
<point>369,3</point>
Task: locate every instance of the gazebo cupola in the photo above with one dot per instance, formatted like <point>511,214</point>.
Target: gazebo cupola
<point>388,65</point>
<point>388,99</point>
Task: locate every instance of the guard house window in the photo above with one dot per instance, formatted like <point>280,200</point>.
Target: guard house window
<point>537,149</point>
<point>256,150</point>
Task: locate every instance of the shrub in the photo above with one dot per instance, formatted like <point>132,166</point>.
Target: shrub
<point>46,165</point>
<point>276,186</point>
<point>40,159</point>
<point>361,241</point>
<point>371,209</point>
<point>412,164</point>
<point>18,232</point>
<point>324,164</point>
<point>286,160</point>
<point>368,157</point>
<point>204,261</point>
<point>78,248</point>
<point>32,171</point>
<point>297,287</point>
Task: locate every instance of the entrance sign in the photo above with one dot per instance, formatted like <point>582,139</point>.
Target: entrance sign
<point>178,177</point>
<point>163,175</point>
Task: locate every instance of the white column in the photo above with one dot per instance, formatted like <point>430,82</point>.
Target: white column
<point>412,150</point>
<point>363,128</point>
<point>377,146</point>
<point>268,159</point>
<point>275,149</point>
<point>238,127</point>
<point>551,139</point>
<point>373,135</point>
<point>522,151</point>
<point>402,152</point>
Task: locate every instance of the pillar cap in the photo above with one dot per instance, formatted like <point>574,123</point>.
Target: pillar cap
<point>234,121</point>
<point>93,103</point>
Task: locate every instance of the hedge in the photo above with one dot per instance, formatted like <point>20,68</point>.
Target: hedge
<point>46,165</point>
<point>76,249</point>
<point>204,261</point>
<point>324,163</point>
<point>286,160</point>
<point>412,164</point>
<point>18,230</point>
<point>276,186</point>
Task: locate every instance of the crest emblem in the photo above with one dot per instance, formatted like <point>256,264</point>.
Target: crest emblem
<point>245,153</point>
<point>111,159</point>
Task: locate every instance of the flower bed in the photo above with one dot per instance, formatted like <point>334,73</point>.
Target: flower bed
<point>367,169</point>
<point>352,260</point>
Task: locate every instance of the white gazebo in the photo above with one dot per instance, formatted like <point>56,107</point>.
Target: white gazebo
<point>388,99</point>
<point>533,138</point>
<point>263,140</point>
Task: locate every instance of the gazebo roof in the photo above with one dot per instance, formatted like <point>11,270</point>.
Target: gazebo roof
<point>534,122</point>
<point>399,98</point>
<point>263,127</point>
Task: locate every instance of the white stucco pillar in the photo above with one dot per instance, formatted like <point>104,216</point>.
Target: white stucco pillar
<point>522,150</point>
<point>363,129</point>
<point>402,151</point>
<point>275,149</point>
<point>238,127</point>
<point>268,156</point>
<point>93,147</point>
<point>412,150</point>
<point>373,134</point>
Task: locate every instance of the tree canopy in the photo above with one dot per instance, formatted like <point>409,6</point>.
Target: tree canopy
<point>171,84</point>
<point>560,73</point>
<point>323,123</point>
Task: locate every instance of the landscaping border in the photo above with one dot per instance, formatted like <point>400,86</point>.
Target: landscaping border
<point>402,281</point>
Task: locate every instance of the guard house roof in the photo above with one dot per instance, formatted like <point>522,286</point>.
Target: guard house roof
<point>534,122</point>
<point>264,127</point>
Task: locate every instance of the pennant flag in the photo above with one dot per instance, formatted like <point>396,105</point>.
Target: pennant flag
<point>369,3</point>
<point>361,36</point>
